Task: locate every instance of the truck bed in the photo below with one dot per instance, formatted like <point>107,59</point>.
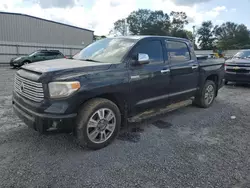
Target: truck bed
<point>204,60</point>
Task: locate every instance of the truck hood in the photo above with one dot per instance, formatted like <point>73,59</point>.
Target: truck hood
<point>244,62</point>
<point>65,64</point>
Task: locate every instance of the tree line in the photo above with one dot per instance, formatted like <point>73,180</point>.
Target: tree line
<point>208,36</point>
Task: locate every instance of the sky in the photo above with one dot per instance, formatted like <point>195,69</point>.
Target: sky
<point>99,15</point>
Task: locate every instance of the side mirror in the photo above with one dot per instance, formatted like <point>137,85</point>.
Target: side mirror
<point>141,59</point>
<point>34,56</point>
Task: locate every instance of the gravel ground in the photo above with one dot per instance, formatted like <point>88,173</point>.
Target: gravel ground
<point>190,147</point>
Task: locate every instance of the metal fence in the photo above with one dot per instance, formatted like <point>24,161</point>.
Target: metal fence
<point>226,53</point>
<point>10,50</point>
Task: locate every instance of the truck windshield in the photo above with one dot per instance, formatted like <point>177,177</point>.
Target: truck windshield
<point>242,55</point>
<point>109,50</point>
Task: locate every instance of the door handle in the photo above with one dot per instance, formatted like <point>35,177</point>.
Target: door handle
<point>165,71</point>
<point>194,66</point>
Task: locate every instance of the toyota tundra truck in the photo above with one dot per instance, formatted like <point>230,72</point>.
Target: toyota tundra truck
<point>111,81</point>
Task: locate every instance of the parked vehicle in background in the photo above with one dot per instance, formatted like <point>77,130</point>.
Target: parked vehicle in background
<point>237,69</point>
<point>71,57</point>
<point>40,55</point>
<point>112,81</point>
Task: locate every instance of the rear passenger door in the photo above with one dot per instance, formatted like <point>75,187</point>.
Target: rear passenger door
<point>184,70</point>
<point>50,55</point>
<point>149,83</point>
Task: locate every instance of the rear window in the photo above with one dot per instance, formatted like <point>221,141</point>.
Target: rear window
<point>178,51</point>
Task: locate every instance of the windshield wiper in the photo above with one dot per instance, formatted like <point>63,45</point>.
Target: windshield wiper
<point>91,60</point>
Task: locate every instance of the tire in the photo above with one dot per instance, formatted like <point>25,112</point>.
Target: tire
<point>202,99</point>
<point>226,82</point>
<point>101,126</point>
<point>26,62</point>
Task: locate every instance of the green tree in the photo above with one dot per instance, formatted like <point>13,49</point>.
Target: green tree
<point>206,35</point>
<point>178,20</point>
<point>177,24</point>
<point>230,35</point>
<point>119,28</point>
<point>147,22</point>
<point>96,37</point>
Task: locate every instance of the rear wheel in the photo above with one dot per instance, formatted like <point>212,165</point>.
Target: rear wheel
<point>98,123</point>
<point>207,95</point>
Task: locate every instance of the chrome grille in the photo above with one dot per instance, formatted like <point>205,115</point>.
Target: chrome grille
<point>29,89</point>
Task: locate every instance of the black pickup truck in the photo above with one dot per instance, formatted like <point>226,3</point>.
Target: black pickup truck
<point>110,81</point>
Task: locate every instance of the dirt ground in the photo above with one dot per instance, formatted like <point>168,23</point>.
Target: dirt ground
<point>190,147</point>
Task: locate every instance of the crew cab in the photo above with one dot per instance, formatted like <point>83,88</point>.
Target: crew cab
<point>110,81</point>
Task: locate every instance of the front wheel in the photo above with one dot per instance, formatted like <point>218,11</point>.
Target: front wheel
<point>207,95</point>
<point>26,62</point>
<point>98,123</point>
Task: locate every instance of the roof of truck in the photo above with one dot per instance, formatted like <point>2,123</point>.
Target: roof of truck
<point>139,37</point>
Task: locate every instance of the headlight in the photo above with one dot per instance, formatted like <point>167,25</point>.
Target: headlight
<point>63,89</point>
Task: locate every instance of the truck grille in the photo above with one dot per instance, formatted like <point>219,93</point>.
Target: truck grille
<point>238,70</point>
<point>29,89</point>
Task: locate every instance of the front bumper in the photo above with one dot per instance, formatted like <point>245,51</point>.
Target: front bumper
<point>238,77</point>
<point>42,122</point>
<point>15,63</point>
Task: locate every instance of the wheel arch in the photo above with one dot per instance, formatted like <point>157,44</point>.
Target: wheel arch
<point>215,79</point>
<point>26,60</point>
<point>119,99</point>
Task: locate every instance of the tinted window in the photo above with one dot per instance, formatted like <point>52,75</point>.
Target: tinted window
<point>40,54</point>
<point>152,48</point>
<point>178,51</point>
<point>54,53</point>
<point>109,50</point>
<point>37,53</point>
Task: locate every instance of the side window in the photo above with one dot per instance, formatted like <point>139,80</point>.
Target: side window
<point>60,54</point>
<point>46,54</point>
<point>152,48</point>
<point>178,51</point>
<point>40,54</point>
<point>53,53</point>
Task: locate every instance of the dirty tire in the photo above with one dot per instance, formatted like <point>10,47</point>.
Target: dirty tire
<point>200,99</point>
<point>26,62</point>
<point>84,115</point>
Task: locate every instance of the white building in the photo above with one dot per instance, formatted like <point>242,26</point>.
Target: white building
<point>22,34</point>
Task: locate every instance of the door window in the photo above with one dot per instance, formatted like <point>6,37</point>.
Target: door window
<point>152,48</point>
<point>40,54</point>
<point>54,53</point>
<point>178,52</point>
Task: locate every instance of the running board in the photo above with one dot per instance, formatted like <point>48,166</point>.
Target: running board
<point>159,111</point>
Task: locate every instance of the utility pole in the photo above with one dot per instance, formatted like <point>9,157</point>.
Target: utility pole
<point>125,27</point>
<point>194,35</point>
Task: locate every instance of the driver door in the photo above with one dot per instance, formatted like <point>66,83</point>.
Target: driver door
<point>149,83</point>
<point>40,56</point>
